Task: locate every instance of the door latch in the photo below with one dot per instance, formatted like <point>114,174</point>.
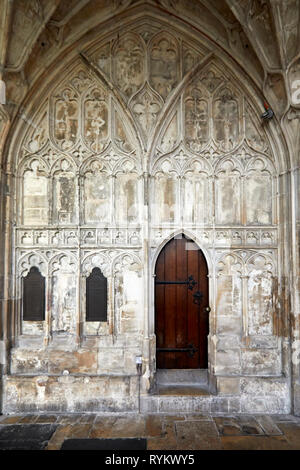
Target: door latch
<point>197,297</point>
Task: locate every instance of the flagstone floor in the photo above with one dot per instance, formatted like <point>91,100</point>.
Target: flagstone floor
<point>162,432</point>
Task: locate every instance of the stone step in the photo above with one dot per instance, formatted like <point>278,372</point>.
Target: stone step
<point>182,390</point>
<point>182,377</point>
<point>175,404</point>
<point>189,404</point>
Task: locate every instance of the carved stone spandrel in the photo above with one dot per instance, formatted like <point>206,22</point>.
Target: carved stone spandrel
<point>122,137</point>
<point>146,106</point>
<point>39,135</point>
<point>102,58</point>
<point>170,138</point>
<point>253,132</point>
<point>190,57</point>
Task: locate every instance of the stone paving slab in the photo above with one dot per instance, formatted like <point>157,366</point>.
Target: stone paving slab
<point>25,436</point>
<point>238,426</point>
<point>268,425</point>
<point>182,431</point>
<point>255,443</point>
<point>197,435</point>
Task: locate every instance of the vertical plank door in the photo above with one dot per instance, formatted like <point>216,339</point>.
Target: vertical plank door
<point>181,299</point>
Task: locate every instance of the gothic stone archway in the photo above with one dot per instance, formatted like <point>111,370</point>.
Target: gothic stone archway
<point>147,131</point>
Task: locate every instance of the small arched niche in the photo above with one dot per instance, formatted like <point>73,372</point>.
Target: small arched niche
<point>96,296</point>
<point>34,296</point>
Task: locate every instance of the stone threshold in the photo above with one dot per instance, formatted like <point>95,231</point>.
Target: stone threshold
<point>182,390</point>
<point>202,401</point>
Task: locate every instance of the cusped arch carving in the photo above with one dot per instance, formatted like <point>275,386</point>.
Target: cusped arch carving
<point>127,165</point>
<point>123,134</point>
<point>35,164</point>
<point>231,264</point>
<point>212,77</point>
<point>260,164</point>
<point>37,136</point>
<point>96,260</point>
<point>197,191</point>
<point>127,260</point>
<point>166,166</point>
<point>94,166</point>
<point>80,79</point>
<point>32,259</point>
<point>178,233</point>
<point>170,134</point>
<point>261,264</point>
<point>228,166</point>
<point>63,261</point>
<point>198,166</point>
<point>255,135</point>
<point>64,164</point>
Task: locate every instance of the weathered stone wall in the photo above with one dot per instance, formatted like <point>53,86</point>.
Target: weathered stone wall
<point>69,393</point>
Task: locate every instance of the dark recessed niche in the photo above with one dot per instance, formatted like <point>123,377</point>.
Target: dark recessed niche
<point>34,296</point>
<point>96,296</point>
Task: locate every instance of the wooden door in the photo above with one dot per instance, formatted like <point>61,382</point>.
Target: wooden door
<point>181,300</point>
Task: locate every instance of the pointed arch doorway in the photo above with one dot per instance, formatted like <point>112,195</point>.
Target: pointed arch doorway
<point>181,306</point>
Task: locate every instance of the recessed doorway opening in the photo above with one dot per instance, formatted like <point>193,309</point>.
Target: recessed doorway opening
<point>181,306</point>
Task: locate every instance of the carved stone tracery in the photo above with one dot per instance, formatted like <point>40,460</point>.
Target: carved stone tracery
<point>205,164</point>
